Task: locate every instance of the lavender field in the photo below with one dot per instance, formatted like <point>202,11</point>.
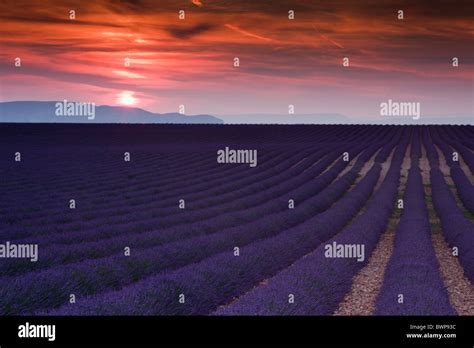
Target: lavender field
<point>145,220</point>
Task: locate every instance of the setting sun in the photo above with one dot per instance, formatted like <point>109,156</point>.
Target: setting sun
<point>126,98</point>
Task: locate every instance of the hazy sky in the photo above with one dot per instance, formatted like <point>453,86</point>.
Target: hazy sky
<point>282,61</point>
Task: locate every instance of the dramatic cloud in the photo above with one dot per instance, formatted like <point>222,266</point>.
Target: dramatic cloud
<point>247,33</point>
<point>143,48</point>
<point>186,33</point>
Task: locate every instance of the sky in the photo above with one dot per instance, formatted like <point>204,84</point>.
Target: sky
<point>282,61</point>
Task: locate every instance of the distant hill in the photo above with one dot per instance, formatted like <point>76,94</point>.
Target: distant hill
<point>425,120</point>
<point>327,118</point>
<point>335,118</point>
<point>45,112</point>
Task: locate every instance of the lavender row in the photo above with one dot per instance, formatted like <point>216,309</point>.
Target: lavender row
<point>169,194</point>
<point>458,230</point>
<point>389,146</point>
<point>219,278</point>
<point>153,220</point>
<point>456,137</point>
<point>317,283</point>
<point>119,270</point>
<point>145,184</point>
<point>464,187</point>
<point>99,275</point>
<point>147,181</point>
<point>412,282</point>
<point>251,218</point>
<point>69,218</point>
<point>96,175</point>
<point>120,164</point>
<point>147,222</point>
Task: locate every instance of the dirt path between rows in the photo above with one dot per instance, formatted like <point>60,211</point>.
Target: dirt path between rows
<point>361,299</point>
<point>444,167</point>
<point>459,288</point>
<point>362,174</point>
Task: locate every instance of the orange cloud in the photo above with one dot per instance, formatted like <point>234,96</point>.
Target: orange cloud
<point>177,61</point>
<point>198,3</point>
<point>249,34</point>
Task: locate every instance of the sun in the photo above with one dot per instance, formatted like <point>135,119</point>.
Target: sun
<point>126,98</point>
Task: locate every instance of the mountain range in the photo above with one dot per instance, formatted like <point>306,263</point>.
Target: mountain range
<point>45,112</point>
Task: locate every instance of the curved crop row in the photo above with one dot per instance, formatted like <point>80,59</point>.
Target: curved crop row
<point>130,190</point>
<point>92,232</point>
<point>157,207</point>
<point>316,282</point>
<point>259,193</point>
<point>217,279</point>
<point>412,283</point>
<point>464,187</point>
<point>458,230</point>
<point>141,215</point>
<point>200,159</point>
<point>250,219</point>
